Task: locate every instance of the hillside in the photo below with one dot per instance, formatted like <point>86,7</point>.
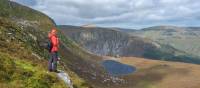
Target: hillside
<point>22,63</point>
<point>23,35</point>
<point>182,38</point>
<point>113,42</point>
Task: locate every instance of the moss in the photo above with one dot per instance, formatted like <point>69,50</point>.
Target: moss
<point>24,65</point>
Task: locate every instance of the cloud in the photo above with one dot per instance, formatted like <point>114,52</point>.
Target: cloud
<point>26,2</point>
<point>120,13</point>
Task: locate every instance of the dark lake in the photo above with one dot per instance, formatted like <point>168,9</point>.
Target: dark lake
<point>116,68</point>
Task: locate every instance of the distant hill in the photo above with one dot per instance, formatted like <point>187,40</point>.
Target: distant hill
<point>88,25</point>
<point>125,29</point>
<point>186,39</point>
<point>113,42</point>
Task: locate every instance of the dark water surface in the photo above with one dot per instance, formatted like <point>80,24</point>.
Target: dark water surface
<point>116,68</point>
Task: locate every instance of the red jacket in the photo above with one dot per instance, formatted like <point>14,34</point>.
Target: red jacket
<point>55,42</point>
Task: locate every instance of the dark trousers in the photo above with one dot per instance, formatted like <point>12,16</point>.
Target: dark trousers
<point>53,61</point>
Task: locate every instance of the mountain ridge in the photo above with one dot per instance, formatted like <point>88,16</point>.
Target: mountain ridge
<point>185,38</point>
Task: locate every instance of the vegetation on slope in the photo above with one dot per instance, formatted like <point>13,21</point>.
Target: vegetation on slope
<point>25,15</point>
<point>21,73</point>
<point>21,66</point>
<point>168,53</point>
<point>23,35</point>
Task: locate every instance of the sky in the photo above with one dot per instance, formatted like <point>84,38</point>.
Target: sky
<point>132,14</point>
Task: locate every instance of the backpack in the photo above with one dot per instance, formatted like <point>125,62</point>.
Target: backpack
<point>49,46</point>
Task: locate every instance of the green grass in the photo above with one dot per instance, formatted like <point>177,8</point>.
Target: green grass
<point>19,73</point>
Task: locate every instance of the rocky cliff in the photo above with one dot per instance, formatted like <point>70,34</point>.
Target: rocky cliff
<point>103,41</point>
<point>114,42</point>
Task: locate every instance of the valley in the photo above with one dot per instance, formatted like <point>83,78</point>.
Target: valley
<point>93,57</point>
<point>114,42</point>
<point>160,74</point>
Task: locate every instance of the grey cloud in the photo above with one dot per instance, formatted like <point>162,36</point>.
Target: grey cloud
<point>26,2</point>
<point>120,13</point>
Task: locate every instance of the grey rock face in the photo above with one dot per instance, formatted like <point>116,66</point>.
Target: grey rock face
<point>103,41</point>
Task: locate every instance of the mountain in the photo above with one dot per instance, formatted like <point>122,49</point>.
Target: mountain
<point>104,41</point>
<point>113,42</point>
<point>89,25</point>
<point>23,59</point>
<point>182,38</point>
<point>126,30</point>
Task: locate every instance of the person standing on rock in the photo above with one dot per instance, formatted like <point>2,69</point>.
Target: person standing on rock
<point>53,49</point>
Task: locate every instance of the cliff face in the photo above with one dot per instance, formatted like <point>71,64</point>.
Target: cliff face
<point>110,42</point>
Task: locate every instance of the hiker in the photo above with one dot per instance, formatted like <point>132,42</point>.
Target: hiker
<point>53,50</point>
